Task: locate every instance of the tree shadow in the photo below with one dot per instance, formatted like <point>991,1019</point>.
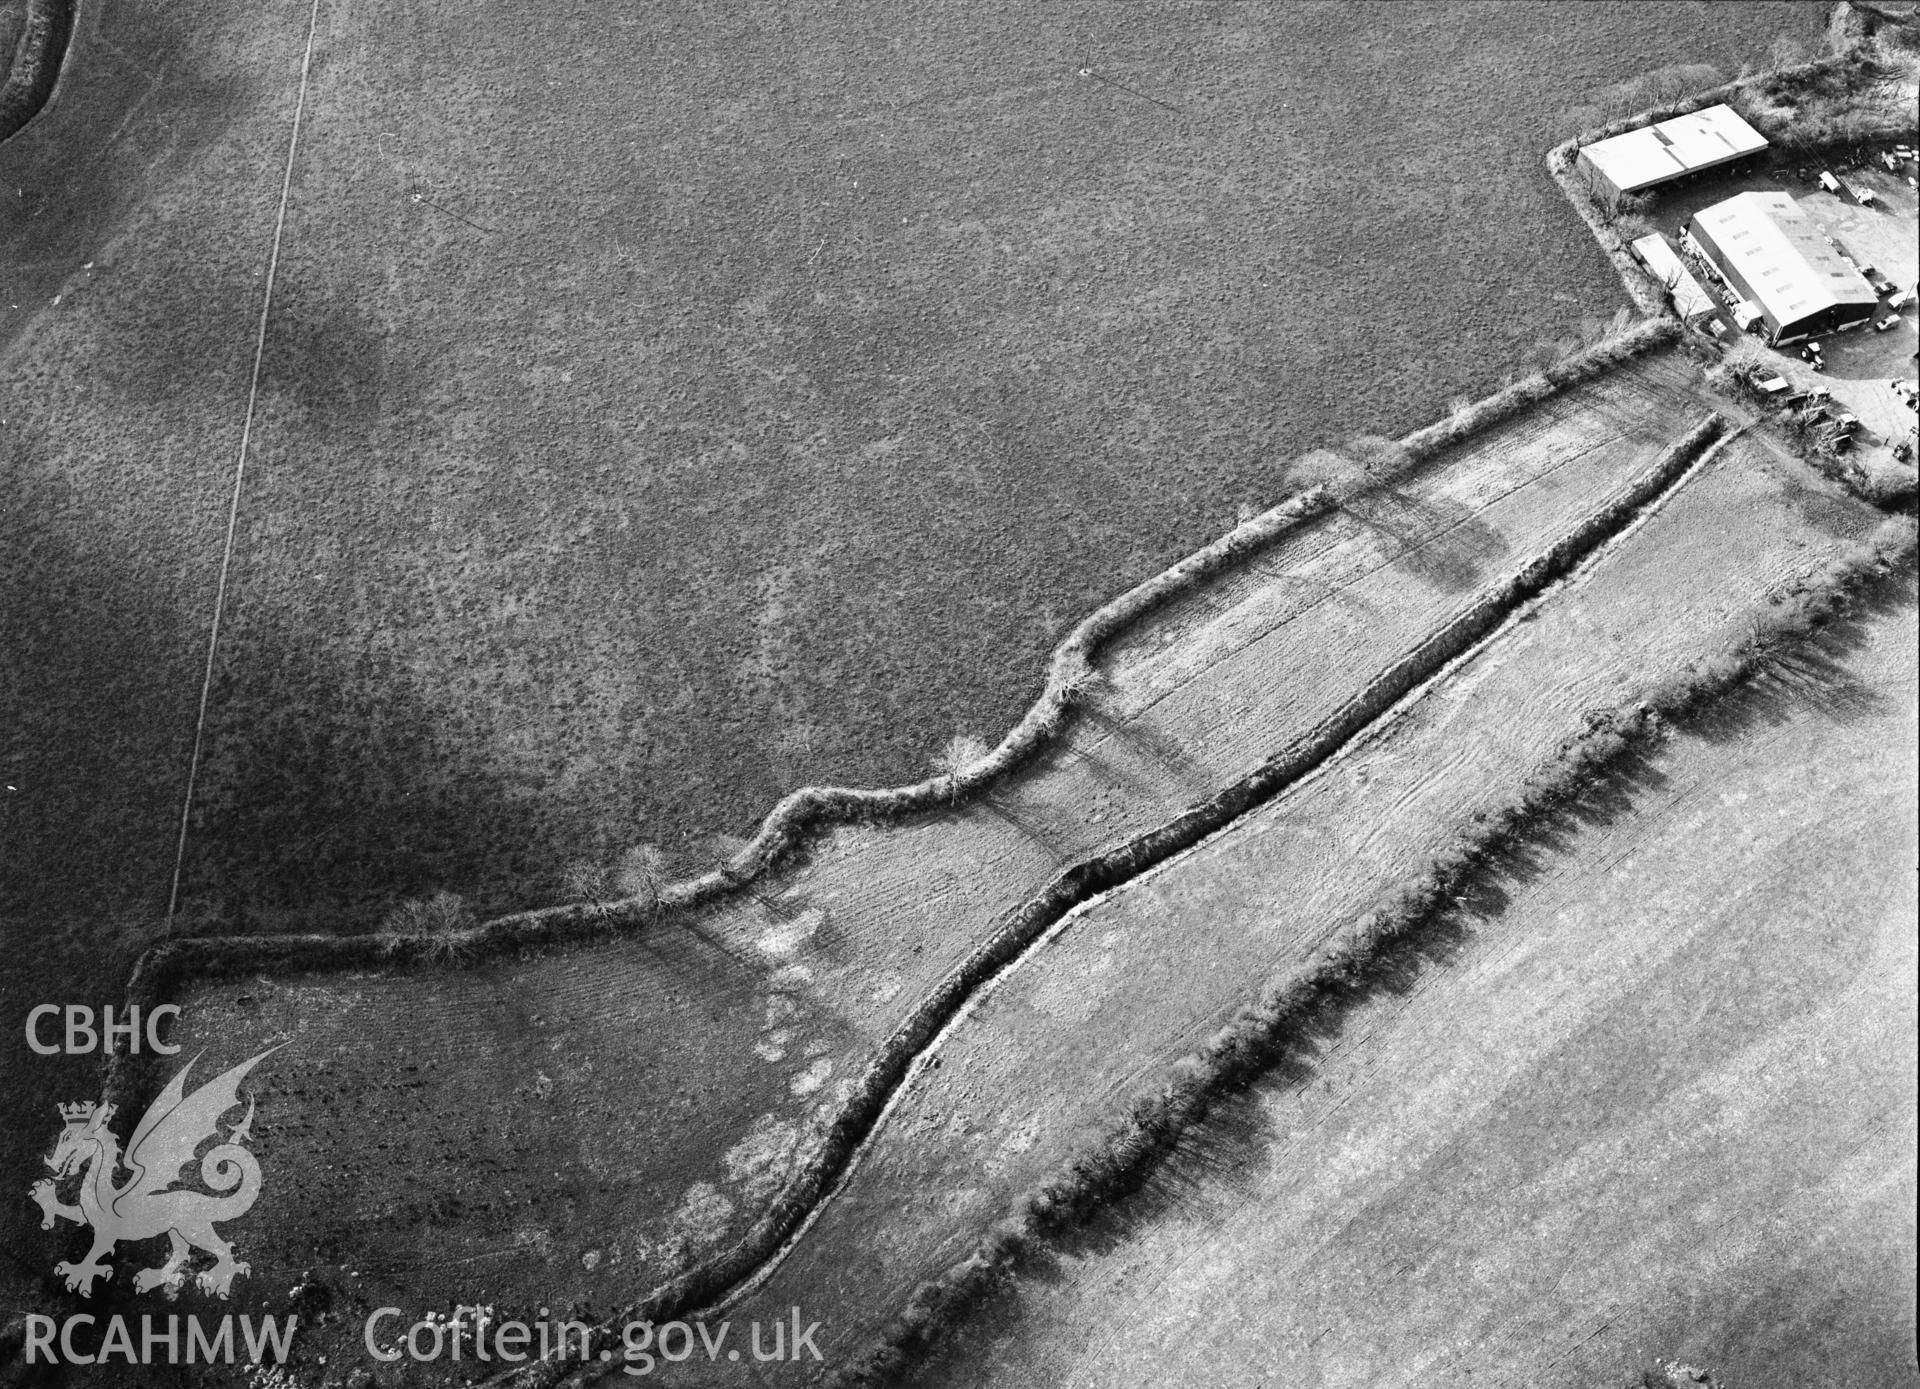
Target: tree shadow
<point>1217,1160</point>
<point>1813,675</point>
<point>1155,746</point>
<point>1444,543</point>
<point>999,804</point>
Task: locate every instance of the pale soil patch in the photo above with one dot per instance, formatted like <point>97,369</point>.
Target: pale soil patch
<point>1154,968</point>
<point>1659,1106</point>
<point>416,1119</point>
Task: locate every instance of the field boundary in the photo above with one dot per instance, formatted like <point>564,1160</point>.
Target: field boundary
<point>1263,1030</point>
<point>809,811</point>
<point>838,1141</point>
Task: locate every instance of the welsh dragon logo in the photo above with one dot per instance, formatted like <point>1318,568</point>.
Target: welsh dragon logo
<point>148,1203</point>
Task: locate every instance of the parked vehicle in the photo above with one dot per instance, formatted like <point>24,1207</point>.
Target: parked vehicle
<point>1829,182</point>
<point>1900,300</point>
<point>1772,385</point>
<point>1881,325</point>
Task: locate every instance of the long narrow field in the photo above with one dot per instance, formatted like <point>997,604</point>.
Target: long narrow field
<point>1658,1106</point>
<point>780,999</point>
<point>1142,977</point>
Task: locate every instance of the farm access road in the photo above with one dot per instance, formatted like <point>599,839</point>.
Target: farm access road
<point>625,1107</point>
<point>1097,1015</point>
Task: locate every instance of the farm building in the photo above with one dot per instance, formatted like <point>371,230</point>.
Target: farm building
<point>1776,258</point>
<point>1690,300</point>
<point>1656,154</point>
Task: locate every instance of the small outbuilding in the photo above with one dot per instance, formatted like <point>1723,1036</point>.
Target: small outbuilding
<point>1656,154</point>
<point>1690,300</point>
<point>1775,256</point>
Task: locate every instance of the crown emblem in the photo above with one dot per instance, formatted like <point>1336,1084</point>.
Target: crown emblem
<point>77,1113</point>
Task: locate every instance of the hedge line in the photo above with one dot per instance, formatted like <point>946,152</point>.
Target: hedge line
<point>834,1142</point>
<point>802,813</point>
<point>35,69</point>
<point>1281,1015</point>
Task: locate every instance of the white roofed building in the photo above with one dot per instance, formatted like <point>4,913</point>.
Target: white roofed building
<point>1657,154</point>
<point>1775,256</point>
<point>1690,300</point>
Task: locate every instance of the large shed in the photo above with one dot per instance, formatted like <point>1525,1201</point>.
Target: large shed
<point>1657,154</point>
<point>1690,301</point>
<point>1776,257</point>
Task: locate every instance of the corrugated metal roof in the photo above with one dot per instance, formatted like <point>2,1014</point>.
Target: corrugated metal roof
<point>1783,256</point>
<point>1655,153</point>
<point>1689,299</point>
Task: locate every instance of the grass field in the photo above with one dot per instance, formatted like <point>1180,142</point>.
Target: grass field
<point>1146,975</point>
<point>1658,1106</point>
<point>535,1132</point>
<point>756,404</point>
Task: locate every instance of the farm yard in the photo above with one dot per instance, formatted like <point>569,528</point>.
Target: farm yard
<point>647,411</point>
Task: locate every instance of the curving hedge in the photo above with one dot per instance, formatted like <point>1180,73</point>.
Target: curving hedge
<point>836,1140</point>
<point>803,813</point>
<point>37,59</point>
<point>1283,1012</point>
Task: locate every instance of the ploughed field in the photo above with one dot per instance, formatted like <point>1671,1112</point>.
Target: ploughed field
<point>1657,1105</point>
<point>1059,1047</point>
<point>623,1110</point>
<point>662,407</point>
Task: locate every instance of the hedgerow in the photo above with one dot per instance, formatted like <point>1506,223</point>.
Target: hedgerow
<point>846,1131</point>
<point>1282,1014</point>
<point>1072,678</point>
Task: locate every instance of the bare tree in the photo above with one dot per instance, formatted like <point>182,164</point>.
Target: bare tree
<point>641,875</point>
<point>953,760</point>
<point>583,880</point>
